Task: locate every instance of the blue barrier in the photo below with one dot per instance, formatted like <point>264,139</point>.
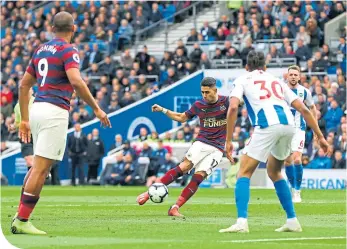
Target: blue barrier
<point>127,122</point>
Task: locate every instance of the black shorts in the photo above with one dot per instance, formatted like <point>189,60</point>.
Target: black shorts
<point>27,149</point>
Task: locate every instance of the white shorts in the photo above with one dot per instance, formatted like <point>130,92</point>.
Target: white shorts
<point>204,157</point>
<point>298,142</point>
<point>274,139</point>
<point>49,124</point>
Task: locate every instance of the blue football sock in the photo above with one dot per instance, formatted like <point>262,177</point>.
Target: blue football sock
<point>298,175</point>
<point>290,172</point>
<point>242,194</point>
<point>283,193</point>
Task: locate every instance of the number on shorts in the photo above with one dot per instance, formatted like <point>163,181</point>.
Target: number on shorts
<point>268,94</point>
<point>214,163</point>
<point>43,70</point>
<point>302,144</point>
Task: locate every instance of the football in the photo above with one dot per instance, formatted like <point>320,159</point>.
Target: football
<point>158,192</point>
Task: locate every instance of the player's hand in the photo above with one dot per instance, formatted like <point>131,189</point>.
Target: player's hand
<point>229,151</point>
<point>325,146</point>
<point>157,108</point>
<point>102,116</point>
<point>24,132</point>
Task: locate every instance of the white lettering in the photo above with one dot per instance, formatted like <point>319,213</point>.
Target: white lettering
<point>48,48</point>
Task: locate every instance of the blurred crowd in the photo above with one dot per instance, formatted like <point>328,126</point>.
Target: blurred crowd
<point>105,27</point>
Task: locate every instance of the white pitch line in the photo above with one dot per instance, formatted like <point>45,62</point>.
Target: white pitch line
<point>282,239</point>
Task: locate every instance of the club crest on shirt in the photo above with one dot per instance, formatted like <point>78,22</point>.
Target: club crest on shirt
<point>301,95</point>
<point>76,58</point>
<point>223,108</point>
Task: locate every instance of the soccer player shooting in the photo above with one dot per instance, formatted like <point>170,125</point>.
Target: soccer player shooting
<point>207,151</point>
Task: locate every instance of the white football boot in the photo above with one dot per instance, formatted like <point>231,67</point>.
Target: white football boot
<point>241,226</point>
<point>292,225</point>
<point>297,196</point>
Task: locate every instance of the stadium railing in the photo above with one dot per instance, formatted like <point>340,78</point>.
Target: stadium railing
<point>226,63</point>
<point>156,77</point>
<point>209,47</point>
<point>281,62</point>
<point>166,23</point>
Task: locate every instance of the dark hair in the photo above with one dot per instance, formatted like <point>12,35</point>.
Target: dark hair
<point>63,22</point>
<point>208,81</point>
<point>294,67</point>
<point>255,60</point>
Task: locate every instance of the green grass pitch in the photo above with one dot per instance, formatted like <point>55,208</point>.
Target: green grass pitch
<point>108,217</point>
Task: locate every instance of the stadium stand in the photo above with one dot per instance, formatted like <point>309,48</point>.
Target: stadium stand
<point>288,32</point>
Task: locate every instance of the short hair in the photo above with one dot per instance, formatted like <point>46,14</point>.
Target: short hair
<point>255,60</point>
<point>63,22</point>
<point>208,81</point>
<point>294,67</point>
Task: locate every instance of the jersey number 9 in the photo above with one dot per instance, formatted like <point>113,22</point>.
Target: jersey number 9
<point>43,70</point>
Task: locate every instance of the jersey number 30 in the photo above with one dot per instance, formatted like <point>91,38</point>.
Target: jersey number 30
<point>43,70</point>
<point>274,86</point>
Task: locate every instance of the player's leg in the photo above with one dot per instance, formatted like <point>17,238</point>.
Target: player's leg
<point>298,176</point>
<point>22,190</point>
<point>48,124</point>
<point>290,170</point>
<point>29,161</point>
<point>168,178</point>
<point>175,173</point>
<point>202,169</point>
<point>257,150</point>
<point>294,169</point>
<point>187,193</point>
<point>275,162</point>
<point>31,196</point>
<point>242,194</point>
<point>274,167</point>
<point>195,154</point>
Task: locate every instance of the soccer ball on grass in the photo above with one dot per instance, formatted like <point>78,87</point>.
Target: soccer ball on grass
<point>158,192</point>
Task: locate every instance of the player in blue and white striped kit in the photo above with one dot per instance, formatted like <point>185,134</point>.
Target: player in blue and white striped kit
<point>268,102</point>
<point>294,169</point>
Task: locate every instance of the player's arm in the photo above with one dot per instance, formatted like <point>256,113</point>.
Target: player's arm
<point>236,96</point>
<point>81,88</point>
<point>27,82</point>
<point>310,103</point>
<point>177,116</point>
<point>232,117</point>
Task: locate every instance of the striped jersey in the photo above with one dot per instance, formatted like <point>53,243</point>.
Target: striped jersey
<point>212,121</point>
<point>305,96</point>
<point>267,98</point>
<point>48,65</point>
